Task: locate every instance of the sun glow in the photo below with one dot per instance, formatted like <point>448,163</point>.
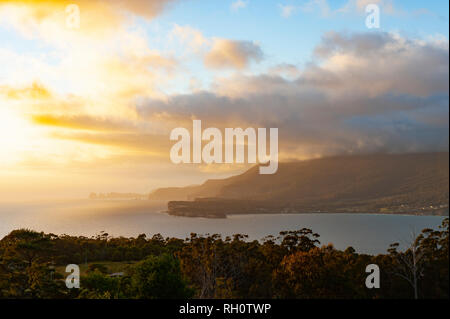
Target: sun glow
<point>15,135</point>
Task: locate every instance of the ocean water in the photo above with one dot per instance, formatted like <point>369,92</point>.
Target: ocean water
<point>367,233</point>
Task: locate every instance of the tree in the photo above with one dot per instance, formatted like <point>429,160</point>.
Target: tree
<point>159,277</point>
<point>299,240</point>
<point>319,273</point>
<point>409,264</point>
<point>96,285</point>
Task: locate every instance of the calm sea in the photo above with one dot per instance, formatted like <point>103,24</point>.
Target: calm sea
<point>367,233</point>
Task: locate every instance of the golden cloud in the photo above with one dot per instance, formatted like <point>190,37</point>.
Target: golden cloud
<point>81,122</point>
<point>35,91</point>
<point>99,19</point>
<point>232,54</point>
<point>43,9</point>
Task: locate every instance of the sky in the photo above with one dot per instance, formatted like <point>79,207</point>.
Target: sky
<point>90,108</point>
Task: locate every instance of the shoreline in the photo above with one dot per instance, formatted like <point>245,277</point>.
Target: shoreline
<point>304,213</point>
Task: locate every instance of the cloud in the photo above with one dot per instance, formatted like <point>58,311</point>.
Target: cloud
<point>148,145</point>
<point>81,122</point>
<point>86,91</point>
<point>113,11</point>
<point>321,6</point>
<point>35,91</point>
<point>191,37</point>
<point>104,74</point>
<point>99,20</point>
<point>82,81</point>
<point>239,4</point>
<point>285,70</point>
<point>363,92</point>
<point>387,6</point>
<point>218,53</point>
<point>287,10</point>
<point>232,54</point>
<point>376,63</point>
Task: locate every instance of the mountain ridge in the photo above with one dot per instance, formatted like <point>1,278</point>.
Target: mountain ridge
<point>354,167</point>
<point>381,183</point>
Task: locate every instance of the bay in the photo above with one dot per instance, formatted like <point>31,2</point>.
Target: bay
<point>367,233</point>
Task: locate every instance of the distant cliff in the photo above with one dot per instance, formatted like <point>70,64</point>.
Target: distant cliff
<point>114,195</point>
<point>404,183</point>
<point>210,188</point>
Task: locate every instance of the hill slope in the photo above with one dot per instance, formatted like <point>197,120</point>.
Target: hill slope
<point>411,180</point>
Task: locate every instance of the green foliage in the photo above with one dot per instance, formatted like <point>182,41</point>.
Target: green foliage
<point>97,285</point>
<point>292,265</point>
<point>159,277</point>
<point>321,273</point>
<point>97,267</point>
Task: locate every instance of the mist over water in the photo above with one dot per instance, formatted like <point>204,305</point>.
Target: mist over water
<point>367,233</point>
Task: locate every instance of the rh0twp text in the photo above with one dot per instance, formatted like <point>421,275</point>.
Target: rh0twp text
<point>212,151</point>
<point>246,308</point>
<point>227,309</point>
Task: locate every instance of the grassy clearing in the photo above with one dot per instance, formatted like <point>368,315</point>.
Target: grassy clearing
<point>112,266</point>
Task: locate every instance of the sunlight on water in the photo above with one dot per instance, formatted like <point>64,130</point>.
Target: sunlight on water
<point>366,233</point>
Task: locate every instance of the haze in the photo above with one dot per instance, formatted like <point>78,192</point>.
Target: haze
<point>91,109</point>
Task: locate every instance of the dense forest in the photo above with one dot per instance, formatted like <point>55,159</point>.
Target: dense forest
<point>292,265</point>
